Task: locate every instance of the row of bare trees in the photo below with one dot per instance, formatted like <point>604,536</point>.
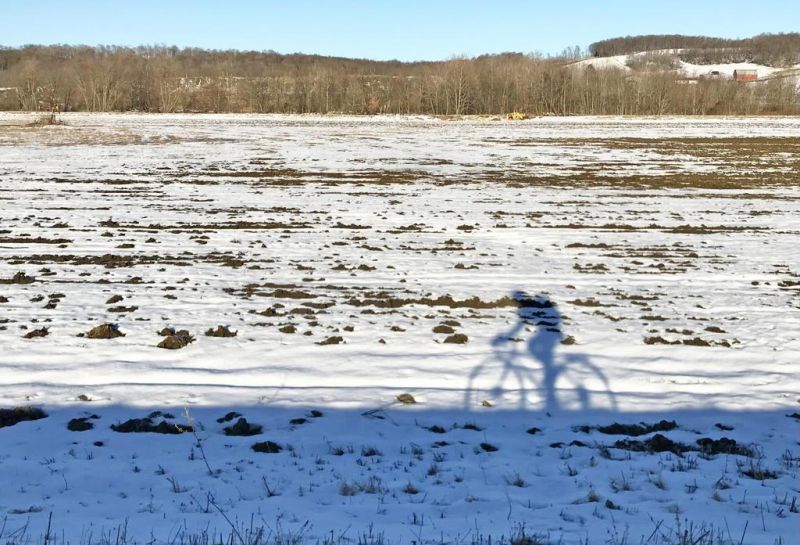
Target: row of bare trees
<point>167,79</point>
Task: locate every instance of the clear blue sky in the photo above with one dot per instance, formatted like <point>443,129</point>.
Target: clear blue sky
<point>383,29</point>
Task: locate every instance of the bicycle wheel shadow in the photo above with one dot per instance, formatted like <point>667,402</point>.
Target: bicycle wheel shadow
<point>539,376</point>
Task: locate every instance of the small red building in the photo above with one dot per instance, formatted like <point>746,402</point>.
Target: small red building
<point>745,75</point>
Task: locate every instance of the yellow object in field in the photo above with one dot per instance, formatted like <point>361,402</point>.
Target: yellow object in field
<point>517,116</point>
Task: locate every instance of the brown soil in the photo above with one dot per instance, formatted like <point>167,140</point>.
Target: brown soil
<point>220,331</point>
<point>105,331</point>
<point>176,341</point>
<point>147,425</point>
<point>242,428</point>
<point>81,424</point>
<point>267,447</point>
<point>331,340</point>
<point>18,278</point>
<point>33,240</point>
<point>9,417</point>
<point>37,333</point>
<point>382,300</point>
<point>122,309</point>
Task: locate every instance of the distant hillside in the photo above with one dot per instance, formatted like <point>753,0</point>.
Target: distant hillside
<point>776,50</point>
<point>169,79</point>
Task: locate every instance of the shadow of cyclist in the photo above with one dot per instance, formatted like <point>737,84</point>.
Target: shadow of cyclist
<point>541,368</point>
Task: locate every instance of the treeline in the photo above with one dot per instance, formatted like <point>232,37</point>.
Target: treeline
<point>778,50</point>
<point>168,79</point>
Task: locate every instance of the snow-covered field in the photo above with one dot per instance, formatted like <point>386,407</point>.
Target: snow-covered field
<point>527,283</point>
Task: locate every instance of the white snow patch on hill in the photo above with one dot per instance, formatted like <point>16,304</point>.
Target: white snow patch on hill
<point>727,70</point>
<point>686,69</point>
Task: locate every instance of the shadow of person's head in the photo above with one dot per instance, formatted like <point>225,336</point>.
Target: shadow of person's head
<point>541,312</point>
<point>539,307</point>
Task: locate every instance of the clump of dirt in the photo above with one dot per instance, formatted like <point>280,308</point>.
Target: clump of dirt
<point>53,300</point>
<point>697,341</point>
<point>458,338</point>
<point>228,417</point>
<point>9,417</point>
<point>177,340</point>
<point>589,302</point>
<point>406,399</point>
<point>340,225</point>
<point>114,299</point>
<point>288,329</point>
<point>657,443</point>
<point>723,445</point>
<point>298,421</point>
<point>472,427</point>
<point>3,299</point>
<point>36,333</point>
<point>18,278</point>
<point>331,340</point>
<point>243,428</point>
<point>221,331</point>
<point>267,447</point>
<point>281,293</point>
<point>637,429</point>
<point>319,306</point>
<point>121,309</point>
<point>82,424</point>
<point>105,331</point>
<point>443,329</point>
<point>147,425</point>
<point>437,429</point>
<point>659,340</point>
<point>488,447</point>
<point>270,312</point>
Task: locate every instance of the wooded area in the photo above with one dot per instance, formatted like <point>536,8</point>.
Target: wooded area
<point>778,50</point>
<point>169,79</point>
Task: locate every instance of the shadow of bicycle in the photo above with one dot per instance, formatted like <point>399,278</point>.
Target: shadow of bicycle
<point>528,370</point>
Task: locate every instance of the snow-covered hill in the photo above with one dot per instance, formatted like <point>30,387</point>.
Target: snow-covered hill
<point>684,69</point>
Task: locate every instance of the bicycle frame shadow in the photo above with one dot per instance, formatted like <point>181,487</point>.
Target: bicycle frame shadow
<point>557,381</point>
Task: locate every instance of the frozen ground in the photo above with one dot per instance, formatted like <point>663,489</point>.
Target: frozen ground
<point>600,270</point>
